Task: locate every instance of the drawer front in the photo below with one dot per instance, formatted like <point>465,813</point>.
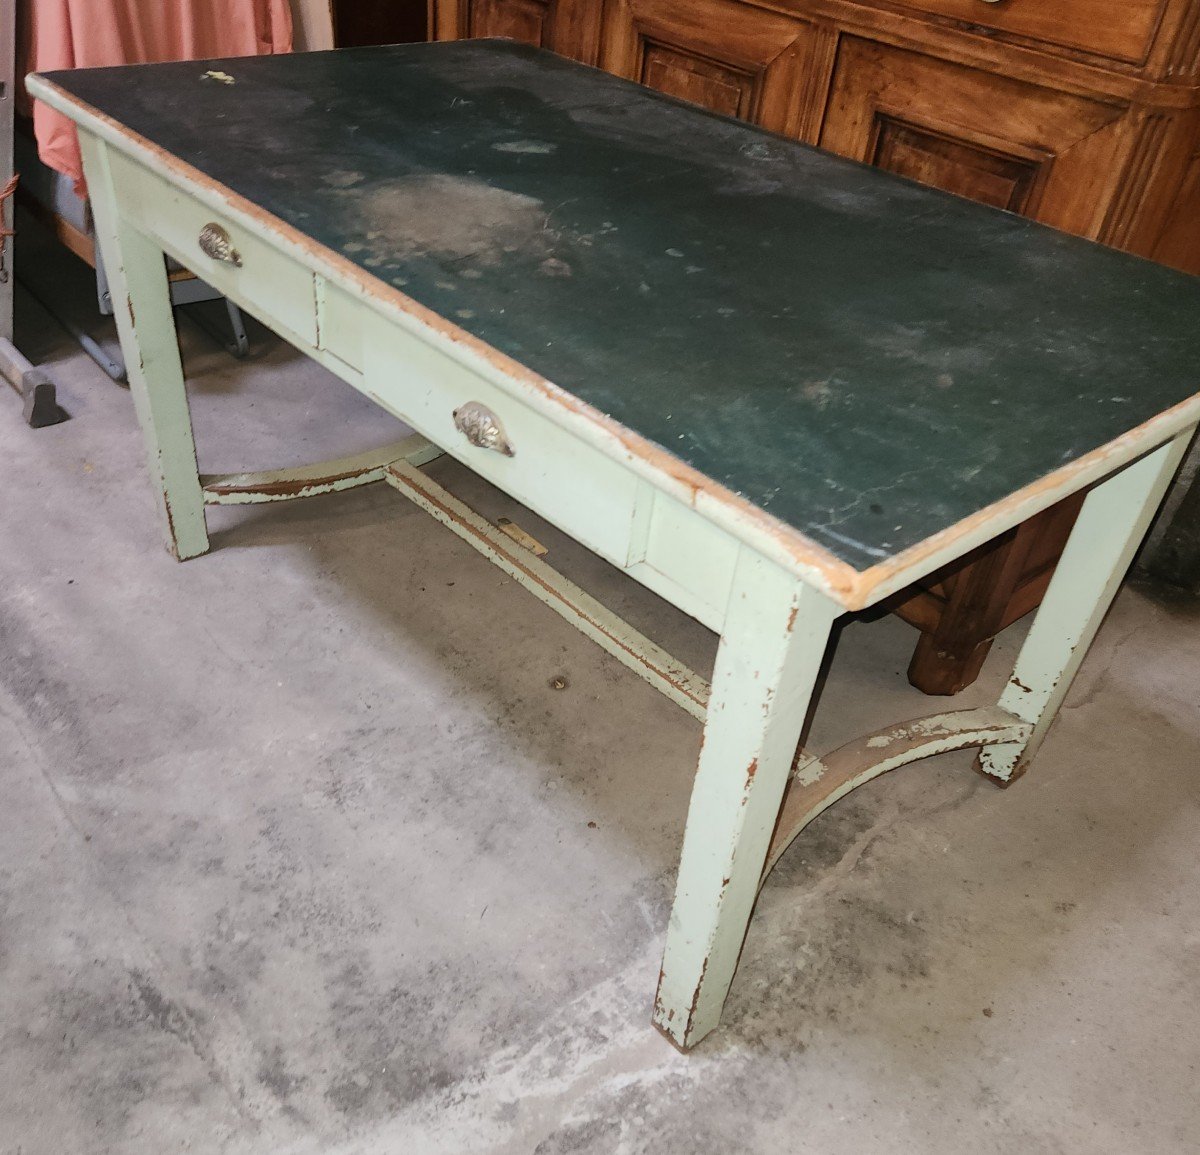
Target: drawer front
<point>1121,29</point>
<point>568,482</point>
<point>270,284</point>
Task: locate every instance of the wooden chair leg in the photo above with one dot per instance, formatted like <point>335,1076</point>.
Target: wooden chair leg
<point>946,665</point>
<point>950,657</point>
<point>1000,583</point>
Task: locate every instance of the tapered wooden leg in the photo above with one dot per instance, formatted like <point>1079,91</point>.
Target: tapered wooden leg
<point>1111,525</point>
<point>141,296</point>
<point>770,654</point>
<point>946,666</point>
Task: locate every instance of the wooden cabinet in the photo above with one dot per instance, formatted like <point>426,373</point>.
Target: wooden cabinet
<point>529,20</point>
<point>1083,114</point>
<point>1121,29</point>
<point>754,68</point>
<point>568,27</point>
<point>1008,143</point>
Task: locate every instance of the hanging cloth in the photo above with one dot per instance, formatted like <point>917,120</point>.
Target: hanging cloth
<point>91,33</point>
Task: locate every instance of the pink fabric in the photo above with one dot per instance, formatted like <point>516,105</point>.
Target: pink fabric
<point>88,33</point>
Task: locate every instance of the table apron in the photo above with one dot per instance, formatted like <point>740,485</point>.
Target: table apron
<point>596,499</point>
<point>599,500</point>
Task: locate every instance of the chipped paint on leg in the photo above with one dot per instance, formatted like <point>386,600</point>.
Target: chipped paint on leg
<point>764,678</point>
<point>138,275</point>
<point>1109,529</point>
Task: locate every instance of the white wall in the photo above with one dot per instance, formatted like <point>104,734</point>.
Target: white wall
<point>313,24</point>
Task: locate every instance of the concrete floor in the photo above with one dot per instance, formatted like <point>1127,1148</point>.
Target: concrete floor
<point>300,851</point>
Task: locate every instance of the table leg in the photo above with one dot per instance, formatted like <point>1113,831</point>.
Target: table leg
<point>774,639</point>
<point>1111,525</point>
<point>141,296</point>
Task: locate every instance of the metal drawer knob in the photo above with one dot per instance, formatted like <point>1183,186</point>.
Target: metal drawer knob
<point>482,428</point>
<point>215,243</point>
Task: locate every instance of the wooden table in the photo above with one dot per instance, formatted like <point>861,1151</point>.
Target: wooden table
<point>771,385</point>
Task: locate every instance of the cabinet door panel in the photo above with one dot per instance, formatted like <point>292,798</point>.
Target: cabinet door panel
<point>734,59</point>
<point>1118,28</point>
<point>568,27</point>
<point>969,170</point>
<point>1005,142</point>
<point>530,21</point>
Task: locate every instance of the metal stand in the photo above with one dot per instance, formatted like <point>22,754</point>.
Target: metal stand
<point>186,292</point>
<point>37,391</point>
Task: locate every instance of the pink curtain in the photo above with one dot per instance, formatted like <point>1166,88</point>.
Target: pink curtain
<point>88,33</point>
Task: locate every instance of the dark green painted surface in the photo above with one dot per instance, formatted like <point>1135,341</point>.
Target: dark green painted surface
<point>868,360</point>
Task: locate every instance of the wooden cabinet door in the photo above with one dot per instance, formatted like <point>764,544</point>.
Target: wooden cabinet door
<point>1017,146</point>
<point>731,58</point>
<point>568,27</point>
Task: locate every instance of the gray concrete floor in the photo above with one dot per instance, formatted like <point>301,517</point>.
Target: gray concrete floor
<point>300,851</point>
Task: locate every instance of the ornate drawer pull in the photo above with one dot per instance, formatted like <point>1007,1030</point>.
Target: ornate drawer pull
<point>215,243</point>
<point>482,428</point>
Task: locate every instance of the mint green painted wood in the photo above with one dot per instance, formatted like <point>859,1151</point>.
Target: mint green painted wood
<point>613,634</point>
<point>817,783</point>
<point>776,631</point>
<point>313,480</point>
<point>1111,525</point>
<point>137,277</point>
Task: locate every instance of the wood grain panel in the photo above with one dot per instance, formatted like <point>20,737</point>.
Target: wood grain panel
<point>968,170</point>
<point>568,27</point>
<point>972,132</point>
<point>1179,244</point>
<point>529,21</point>
<point>717,86</point>
<point>1122,29</point>
<point>752,67</point>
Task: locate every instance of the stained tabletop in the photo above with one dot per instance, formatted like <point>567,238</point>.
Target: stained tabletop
<point>868,360</point>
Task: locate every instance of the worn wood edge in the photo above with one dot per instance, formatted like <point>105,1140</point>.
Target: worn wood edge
<point>894,574</point>
<point>817,783</point>
<point>312,480</point>
<point>671,677</point>
<point>853,589</point>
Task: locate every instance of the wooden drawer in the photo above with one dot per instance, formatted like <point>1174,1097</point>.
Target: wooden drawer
<point>568,482</point>
<point>1122,29</point>
<point>268,283</point>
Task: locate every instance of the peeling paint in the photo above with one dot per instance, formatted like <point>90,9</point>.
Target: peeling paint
<point>818,783</point>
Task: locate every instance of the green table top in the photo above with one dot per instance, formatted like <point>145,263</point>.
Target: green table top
<point>868,360</point>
